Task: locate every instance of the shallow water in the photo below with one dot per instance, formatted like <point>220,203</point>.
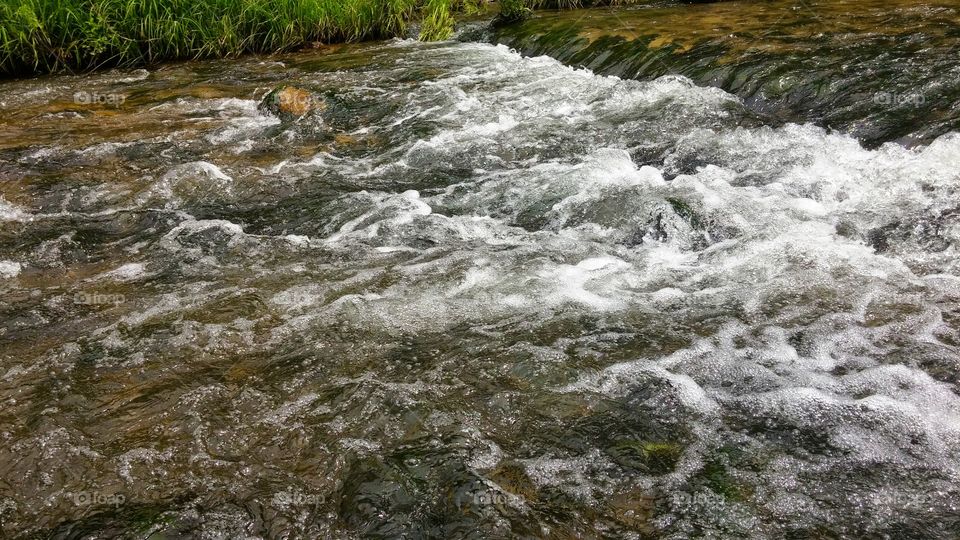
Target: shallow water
<point>480,295</point>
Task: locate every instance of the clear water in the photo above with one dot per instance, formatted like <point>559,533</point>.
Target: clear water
<point>479,295</point>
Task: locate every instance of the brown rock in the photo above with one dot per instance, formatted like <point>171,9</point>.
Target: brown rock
<point>512,477</point>
<point>290,103</point>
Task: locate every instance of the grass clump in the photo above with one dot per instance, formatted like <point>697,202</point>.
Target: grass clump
<point>437,21</point>
<point>75,35</point>
<point>575,4</point>
<point>514,10</point>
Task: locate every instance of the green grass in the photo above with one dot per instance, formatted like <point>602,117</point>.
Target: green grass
<point>574,4</point>
<point>38,36</point>
<point>57,35</point>
<point>512,11</point>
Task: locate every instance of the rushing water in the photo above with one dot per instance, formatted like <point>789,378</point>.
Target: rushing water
<point>882,70</point>
<point>478,295</point>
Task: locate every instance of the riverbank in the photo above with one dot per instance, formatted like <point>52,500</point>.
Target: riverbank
<point>39,36</point>
<point>49,36</point>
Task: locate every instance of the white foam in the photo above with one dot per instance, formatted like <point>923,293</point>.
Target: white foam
<point>9,269</point>
<point>187,228</point>
<point>11,212</point>
<point>189,182</point>
<point>126,272</point>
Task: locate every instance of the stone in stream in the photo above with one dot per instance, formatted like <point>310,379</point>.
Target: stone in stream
<point>512,477</point>
<point>290,103</point>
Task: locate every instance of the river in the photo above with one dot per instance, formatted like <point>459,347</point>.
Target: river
<point>478,294</point>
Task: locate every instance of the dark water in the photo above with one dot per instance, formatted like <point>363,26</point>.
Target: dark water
<point>477,296</point>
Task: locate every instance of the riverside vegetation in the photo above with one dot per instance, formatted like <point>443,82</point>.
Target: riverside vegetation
<point>38,36</point>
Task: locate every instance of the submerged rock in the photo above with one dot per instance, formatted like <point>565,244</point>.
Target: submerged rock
<point>290,103</point>
<point>652,457</point>
<point>512,477</point>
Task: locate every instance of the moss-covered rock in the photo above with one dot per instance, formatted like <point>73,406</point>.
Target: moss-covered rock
<point>650,457</point>
<point>513,478</point>
<point>721,482</point>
